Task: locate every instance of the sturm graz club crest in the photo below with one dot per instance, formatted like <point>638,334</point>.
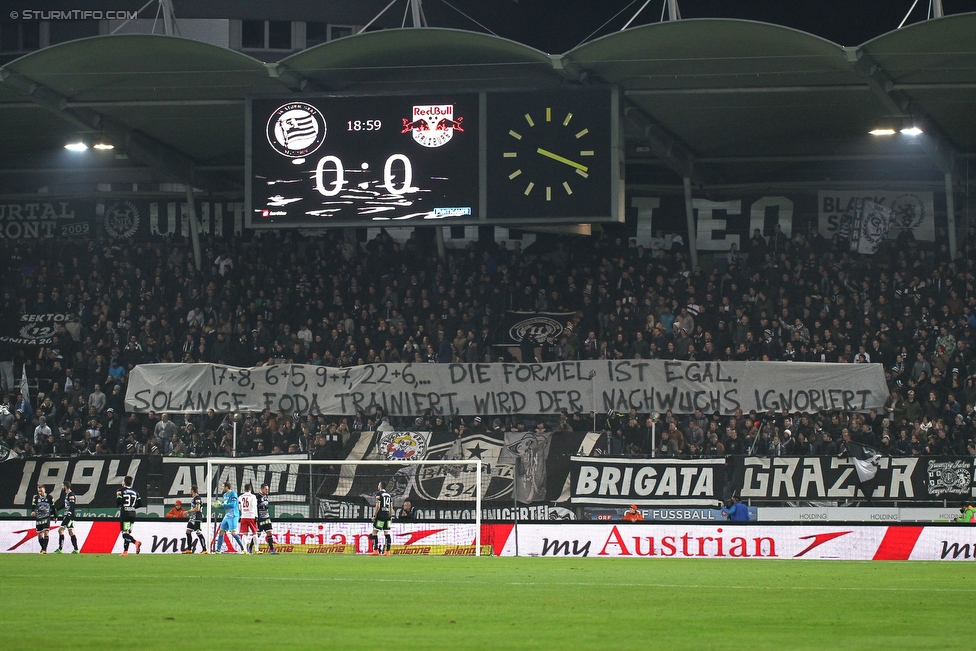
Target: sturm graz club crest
<point>950,477</point>
<point>875,223</point>
<point>296,129</point>
<point>536,328</point>
<point>121,220</point>
<point>459,483</point>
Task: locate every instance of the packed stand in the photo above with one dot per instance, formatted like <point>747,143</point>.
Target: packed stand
<point>325,300</point>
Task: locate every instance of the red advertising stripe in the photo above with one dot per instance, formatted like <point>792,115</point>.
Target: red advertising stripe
<point>496,535</point>
<point>101,539</point>
<point>898,543</point>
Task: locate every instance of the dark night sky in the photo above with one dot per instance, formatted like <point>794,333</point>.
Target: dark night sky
<point>555,26</point>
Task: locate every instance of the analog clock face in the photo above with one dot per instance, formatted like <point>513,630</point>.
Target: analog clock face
<point>549,155</point>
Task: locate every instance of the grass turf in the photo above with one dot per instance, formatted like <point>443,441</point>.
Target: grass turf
<point>343,602</point>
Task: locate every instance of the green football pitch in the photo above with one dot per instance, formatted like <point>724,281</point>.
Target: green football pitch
<point>346,602</point>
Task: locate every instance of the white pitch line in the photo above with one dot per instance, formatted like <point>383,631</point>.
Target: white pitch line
<point>748,587</point>
<point>546,583</point>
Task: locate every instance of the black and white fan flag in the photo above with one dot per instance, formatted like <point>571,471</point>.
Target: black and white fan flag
<point>866,460</point>
<point>532,325</point>
<point>871,225</point>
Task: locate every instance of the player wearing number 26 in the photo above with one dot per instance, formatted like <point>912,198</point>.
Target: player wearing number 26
<point>249,514</point>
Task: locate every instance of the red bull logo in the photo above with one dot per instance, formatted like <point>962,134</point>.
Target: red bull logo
<point>433,125</point>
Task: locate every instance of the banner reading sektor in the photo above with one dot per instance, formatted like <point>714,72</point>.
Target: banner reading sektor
<point>492,389</point>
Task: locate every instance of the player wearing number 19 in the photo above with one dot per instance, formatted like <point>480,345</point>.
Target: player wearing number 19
<point>128,501</point>
<point>382,515</point>
<point>41,508</point>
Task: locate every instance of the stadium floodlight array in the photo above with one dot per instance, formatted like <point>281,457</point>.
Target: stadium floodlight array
<point>456,482</point>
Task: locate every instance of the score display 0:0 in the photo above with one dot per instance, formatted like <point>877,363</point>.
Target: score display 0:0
<point>340,176</point>
<point>363,125</point>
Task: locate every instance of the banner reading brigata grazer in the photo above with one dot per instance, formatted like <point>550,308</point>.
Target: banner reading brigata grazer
<point>493,389</point>
<point>94,480</point>
<point>815,478</point>
<point>647,482</point>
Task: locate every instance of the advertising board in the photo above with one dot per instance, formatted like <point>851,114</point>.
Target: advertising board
<point>597,540</point>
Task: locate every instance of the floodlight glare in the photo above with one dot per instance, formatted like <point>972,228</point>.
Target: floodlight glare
<point>103,145</point>
<point>911,131</point>
<point>76,146</point>
<point>882,132</point>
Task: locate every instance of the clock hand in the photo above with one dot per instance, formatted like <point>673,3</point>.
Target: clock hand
<point>565,161</point>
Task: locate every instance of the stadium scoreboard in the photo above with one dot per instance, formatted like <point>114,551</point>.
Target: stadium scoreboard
<point>489,157</point>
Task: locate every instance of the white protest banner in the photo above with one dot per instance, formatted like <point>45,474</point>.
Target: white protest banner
<point>491,389</point>
<point>914,210</point>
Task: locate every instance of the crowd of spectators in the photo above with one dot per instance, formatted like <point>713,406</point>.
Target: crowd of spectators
<point>324,299</point>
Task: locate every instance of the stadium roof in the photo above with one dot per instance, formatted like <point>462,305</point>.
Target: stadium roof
<point>731,103</point>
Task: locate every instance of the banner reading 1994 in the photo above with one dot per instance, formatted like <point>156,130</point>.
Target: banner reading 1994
<point>494,389</point>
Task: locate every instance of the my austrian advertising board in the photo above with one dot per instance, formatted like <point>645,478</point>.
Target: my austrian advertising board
<point>818,542</point>
<point>307,537</point>
<point>851,543</point>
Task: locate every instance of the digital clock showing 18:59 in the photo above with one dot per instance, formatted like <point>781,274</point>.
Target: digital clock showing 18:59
<point>386,160</point>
